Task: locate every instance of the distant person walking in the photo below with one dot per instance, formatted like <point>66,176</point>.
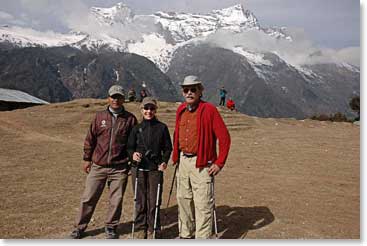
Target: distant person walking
<point>131,95</point>
<point>222,95</point>
<point>106,160</point>
<point>150,147</point>
<point>143,94</point>
<point>198,126</point>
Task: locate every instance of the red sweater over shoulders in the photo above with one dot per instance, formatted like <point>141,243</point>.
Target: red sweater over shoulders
<point>210,128</point>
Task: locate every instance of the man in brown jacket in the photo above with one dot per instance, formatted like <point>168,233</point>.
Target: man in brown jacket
<point>106,160</point>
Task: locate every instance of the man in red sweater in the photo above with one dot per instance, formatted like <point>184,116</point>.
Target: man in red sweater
<point>198,126</point>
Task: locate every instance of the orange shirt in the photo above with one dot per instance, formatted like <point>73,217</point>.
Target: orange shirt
<point>188,132</point>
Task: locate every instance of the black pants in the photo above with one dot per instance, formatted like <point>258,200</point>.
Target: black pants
<point>146,199</point>
<point>222,101</point>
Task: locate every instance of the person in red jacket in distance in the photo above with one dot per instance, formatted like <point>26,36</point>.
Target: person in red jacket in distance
<point>198,126</point>
<point>231,105</point>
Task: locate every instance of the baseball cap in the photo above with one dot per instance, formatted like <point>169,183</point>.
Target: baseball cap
<point>149,100</point>
<point>116,89</point>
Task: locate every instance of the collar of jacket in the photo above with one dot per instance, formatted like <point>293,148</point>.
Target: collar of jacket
<point>183,106</point>
<point>149,122</point>
<point>120,114</point>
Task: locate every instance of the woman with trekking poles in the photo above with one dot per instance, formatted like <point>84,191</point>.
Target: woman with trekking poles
<point>149,148</point>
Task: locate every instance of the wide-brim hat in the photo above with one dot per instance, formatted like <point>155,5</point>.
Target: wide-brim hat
<point>191,80</point>
<point>116,89</point>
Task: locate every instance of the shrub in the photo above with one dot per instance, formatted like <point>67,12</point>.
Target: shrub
<point>354,104</point>
<point>337,117</point>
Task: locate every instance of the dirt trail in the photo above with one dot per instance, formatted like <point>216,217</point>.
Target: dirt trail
<point>283,179</point>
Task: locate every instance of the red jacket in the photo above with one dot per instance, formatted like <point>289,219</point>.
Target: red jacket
<point>230,104</point>
<point>210,128</point>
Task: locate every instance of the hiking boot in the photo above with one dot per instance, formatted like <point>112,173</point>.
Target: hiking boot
<point>140,234</point>
<point>150,234</point>
<point>76,234</point>
<point>111,233</point>
<point>193,237</point>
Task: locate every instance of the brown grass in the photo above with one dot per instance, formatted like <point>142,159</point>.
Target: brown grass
<point>283,179</point>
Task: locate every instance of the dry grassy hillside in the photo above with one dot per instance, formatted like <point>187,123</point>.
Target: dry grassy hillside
<point>283,178</point>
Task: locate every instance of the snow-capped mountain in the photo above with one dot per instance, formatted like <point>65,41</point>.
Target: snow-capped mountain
<point>170,30</point>
<point>117,14</point>
<point>219,47</point>
<point>22,37</point>
<point>263,84</point>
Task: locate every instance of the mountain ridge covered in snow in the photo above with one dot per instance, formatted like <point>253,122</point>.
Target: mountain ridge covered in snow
<point>157,43</point>
<point>223,47</point>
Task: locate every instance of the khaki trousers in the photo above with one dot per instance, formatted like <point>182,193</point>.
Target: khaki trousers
<point>194,198</point>
<point>96,180</point>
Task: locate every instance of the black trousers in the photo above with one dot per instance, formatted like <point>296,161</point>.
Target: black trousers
<point>222,101</point>
<point>146,198</point>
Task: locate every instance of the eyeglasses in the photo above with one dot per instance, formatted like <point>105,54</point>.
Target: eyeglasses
<point>117,97</point>
<point>192,89</point>
<point>147,107</point>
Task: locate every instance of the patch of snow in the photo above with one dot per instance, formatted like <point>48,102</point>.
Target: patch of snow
<point>348,66</point>
<point>308,74</point>
<point>235,16</point>
<point>120,13</point>
<point>28,37</point>
<point>252,57</point>
<point>256,60</point>
<point>172,30</point>
<point>155,48</point>
<point>285,89</point>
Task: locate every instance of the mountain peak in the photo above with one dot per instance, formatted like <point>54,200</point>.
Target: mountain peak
<point>233,8</point>
<point>120,13</point>
<point>120,5</point>
<point>186,26</point>
<point>236,15</point>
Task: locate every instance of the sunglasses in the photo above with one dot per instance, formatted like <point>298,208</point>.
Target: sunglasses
<point>147,107</point>
<point>117,97</point>
<point>192,89</point>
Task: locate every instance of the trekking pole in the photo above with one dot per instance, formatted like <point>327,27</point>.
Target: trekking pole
<point>157,204</point>
<point>170,193</point>
<point>135,198</point>
<point>173,182</point>
<point>214,212</point>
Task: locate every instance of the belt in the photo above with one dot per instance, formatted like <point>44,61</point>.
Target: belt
<point>112,165</point>
<point>188,155</point>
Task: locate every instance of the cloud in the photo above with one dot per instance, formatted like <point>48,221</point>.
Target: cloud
<point>7,18</point>
<point>66,15</point>
<point>350,55</point>
<point>298,52</point>
<point>4,16</point>
<point>45,14</point>
<point>192,6</point>
<point>76,15</point>
<point>121,31</point>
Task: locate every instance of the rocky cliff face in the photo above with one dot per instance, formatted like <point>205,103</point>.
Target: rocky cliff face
<point>271,88</point>
<point>64,73</point>
<point>262,82</point>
